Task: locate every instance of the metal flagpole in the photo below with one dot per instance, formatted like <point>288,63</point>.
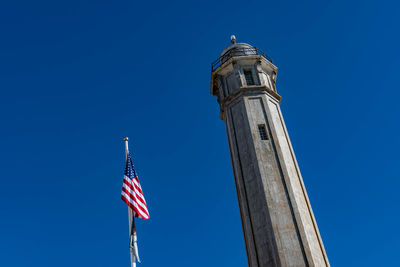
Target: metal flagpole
<point>132,229</point>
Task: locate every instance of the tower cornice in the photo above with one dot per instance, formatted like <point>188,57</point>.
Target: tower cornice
<point>248,90</point>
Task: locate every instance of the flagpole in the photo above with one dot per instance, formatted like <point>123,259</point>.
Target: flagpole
<point>131,218</point>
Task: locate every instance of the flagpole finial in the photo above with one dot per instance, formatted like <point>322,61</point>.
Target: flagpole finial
<point>126,139</point>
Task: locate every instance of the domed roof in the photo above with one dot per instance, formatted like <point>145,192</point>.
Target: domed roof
<point>243,48</point>
<point>236,49</point>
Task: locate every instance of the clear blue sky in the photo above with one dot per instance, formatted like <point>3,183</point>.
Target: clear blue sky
<point>78,76</point>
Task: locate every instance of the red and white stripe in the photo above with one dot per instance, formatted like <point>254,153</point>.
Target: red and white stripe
<point>132,195</point>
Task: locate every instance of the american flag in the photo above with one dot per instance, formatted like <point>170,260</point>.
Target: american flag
<point>132,193</point>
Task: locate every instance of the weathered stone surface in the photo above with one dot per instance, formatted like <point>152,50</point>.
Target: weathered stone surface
<point>278,223</point>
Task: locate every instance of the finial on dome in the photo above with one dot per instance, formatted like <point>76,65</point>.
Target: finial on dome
<point>233,39</point>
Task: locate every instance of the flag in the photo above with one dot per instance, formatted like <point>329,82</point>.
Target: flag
<point>132,193</point>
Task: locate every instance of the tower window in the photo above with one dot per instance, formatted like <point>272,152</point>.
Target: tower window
<point>263,132</point>
<point>248,75</point>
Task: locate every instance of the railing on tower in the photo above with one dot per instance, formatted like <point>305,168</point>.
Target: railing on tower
<point>237,52</point>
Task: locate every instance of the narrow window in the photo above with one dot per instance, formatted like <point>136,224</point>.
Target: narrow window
<point>248,74</point>
<point>262,131</point>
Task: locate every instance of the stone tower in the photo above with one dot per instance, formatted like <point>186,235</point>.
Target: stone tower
<point>278,223</point>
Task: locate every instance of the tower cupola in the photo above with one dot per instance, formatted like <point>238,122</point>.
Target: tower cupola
<point>242,67</point>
